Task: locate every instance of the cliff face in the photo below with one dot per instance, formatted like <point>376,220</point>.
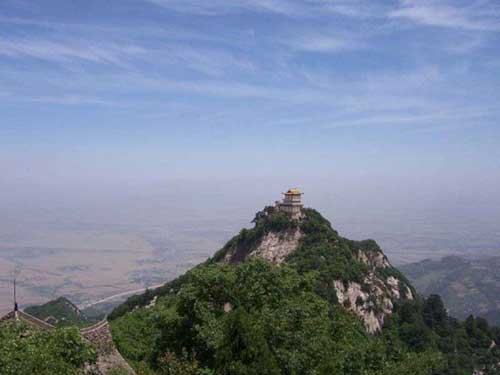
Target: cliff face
<point>374,298</point>
<point>273,246</point>
<point>356,274</point>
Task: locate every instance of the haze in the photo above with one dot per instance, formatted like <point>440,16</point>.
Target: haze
<point>138,136</point>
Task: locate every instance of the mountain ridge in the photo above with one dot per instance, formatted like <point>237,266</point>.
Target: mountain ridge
<point>467,285</point>
<point>59,312</point>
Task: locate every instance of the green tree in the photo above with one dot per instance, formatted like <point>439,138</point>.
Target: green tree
<point>26,351</point>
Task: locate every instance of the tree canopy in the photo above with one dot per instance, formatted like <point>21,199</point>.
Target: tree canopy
<point>28,351</point>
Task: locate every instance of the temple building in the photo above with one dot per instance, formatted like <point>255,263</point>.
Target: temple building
<point>17,315</point>
<point>291,203</point>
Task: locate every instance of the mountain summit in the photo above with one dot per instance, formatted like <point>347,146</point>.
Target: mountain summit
<point>355,274</point>
<point>292,296</point>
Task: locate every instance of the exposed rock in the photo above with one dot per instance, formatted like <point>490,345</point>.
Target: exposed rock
<point>152,303</point>
<point>371,301</point>
<point>394,286</point>
<point>408,294</point>
<point>374,259</point>
<point>273,246</point>
<point>228,307</point>
<point>353,298</point>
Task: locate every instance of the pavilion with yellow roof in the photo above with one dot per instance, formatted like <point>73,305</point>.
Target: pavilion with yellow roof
<point>291,203</point>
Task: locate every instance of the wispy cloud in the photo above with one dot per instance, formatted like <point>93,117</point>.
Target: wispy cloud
<point>71,100</point>
<point>432,117</point>
<point>354,8</point>
<point>209,61</point>
<point>214,7</point>
<point>477,15</point>
<point>293,64</point>
<point>321,43</point>
<point>69,50</point>
<point>293,8</point>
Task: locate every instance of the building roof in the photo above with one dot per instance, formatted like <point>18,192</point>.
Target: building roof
<point>30,319</point>
<point>293,191</point>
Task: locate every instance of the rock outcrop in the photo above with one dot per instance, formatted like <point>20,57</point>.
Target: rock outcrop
<point>273,246</point>
<point>374,299</point>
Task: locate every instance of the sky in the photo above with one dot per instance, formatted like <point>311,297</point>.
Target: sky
<point>386,100</point>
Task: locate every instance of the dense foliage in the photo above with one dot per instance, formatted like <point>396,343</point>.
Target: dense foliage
<point>26,351</point>
<point>425,325</point>
<point>257,318</point>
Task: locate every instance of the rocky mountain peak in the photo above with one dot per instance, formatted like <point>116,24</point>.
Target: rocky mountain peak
<point>355,274</point>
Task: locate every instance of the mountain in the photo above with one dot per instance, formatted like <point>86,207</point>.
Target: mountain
<point>61,312</point>
<point>355,274</point>
<point>467,286</point>
<point>292,296</point>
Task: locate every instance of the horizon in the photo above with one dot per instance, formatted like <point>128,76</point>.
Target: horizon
<point>157,128</point>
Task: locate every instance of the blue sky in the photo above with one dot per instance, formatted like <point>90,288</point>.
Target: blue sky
<point>95,92</point>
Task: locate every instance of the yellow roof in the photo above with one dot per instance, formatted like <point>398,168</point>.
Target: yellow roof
<point>293,191</point>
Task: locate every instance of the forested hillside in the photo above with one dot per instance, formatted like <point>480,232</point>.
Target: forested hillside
<point>61,312</point>
<point>467,286</point>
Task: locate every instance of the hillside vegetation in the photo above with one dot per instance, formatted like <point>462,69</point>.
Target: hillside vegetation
<point>467,286</point>
<point>240,313</point>
<point>61,312</point>
<point>29,351</point>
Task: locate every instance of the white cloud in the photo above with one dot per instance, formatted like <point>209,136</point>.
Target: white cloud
<point>210,61</point>
<point>214,7</point>
<point>71,100</point>
<point>321,43</point>
<point>69,50</point>
<point>473,16</point>
<point>354,8</point>
<point>294,8</point>
<point>401,118</point>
